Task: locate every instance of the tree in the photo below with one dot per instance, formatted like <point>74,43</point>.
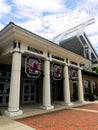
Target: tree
<point>97,69</point>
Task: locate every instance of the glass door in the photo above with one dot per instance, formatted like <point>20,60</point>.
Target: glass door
<point>4,93</point>
<point>1,93</point>
<point>29,91</point>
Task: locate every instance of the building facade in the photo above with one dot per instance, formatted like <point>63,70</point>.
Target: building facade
<point>35,70</point>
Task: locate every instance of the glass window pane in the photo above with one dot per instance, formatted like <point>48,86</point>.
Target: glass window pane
<point>1,99</point>
<point>32,97</point>
<point>26,98</point>
<point>26,89</point>
<point>1,88</point>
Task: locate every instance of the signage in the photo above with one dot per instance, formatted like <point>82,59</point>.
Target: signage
<point>73,73</point>
<point>57,57</point>
<point>34,50</point>
<point>56,71</point>
<point>32,67</point>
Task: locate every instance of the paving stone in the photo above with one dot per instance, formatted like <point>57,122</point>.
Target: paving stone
<point>78,118</point>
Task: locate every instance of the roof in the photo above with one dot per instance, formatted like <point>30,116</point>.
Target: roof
<point>76,40</point>
<point>14,31</point>
<point>79,44</point>
<point>89,73</point>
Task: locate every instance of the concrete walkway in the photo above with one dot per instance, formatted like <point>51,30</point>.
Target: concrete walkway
<point>8,124</point>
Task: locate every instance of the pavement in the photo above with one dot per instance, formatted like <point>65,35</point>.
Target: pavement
<point>10,123</point>
<point>7,123</point>
<point>79,118</point>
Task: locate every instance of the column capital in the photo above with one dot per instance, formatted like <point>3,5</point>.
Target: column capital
<point>47,59</point>
<point>79,67</point>
<point>16,50</point>
<point>66,64</point>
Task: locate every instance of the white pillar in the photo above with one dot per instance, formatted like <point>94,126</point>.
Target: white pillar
<point>46,87</point>
<point>66,87</point>
<point>80,87</point>
<point>14,96</point>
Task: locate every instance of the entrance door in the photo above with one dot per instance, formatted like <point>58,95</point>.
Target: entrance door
<point>4,93</point>
<point>75,91</point>
<point>29,91</point>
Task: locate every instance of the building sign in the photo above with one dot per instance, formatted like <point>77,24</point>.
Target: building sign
<point>57,57</point>
<point>73,74</point>
<point>34,50</point>
<point>32,67</point>
<point>56,71</point>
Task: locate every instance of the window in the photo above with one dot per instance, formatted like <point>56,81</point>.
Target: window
<point>86,89</point>
<point>94,85</point>
<point>86,86</point>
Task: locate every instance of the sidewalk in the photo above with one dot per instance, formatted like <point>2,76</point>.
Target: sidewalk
<point>9,123</point>
<point>79,118</point>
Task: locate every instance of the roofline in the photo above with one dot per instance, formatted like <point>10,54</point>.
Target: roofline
<point>89,72</point>
<point>90,44</point>
<point>51,42</point>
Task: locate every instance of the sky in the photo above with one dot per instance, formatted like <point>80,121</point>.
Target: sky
<point>49,18</point>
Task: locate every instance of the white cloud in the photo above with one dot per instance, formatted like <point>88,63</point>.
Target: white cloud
<point>92,31</point>
<point>49,18</point>
<point>31,25</point>
<point>4,8</point>
<point>41,6</point>
<point>94,38</point>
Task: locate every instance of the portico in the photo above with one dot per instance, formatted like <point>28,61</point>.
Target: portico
<point>16,47</point>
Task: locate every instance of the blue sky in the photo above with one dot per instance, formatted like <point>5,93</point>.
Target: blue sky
<point>49,18</point>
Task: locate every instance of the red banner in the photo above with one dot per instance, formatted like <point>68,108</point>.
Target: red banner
<point>73,74</point>
<point>32,67</point>
<point>56,71</point>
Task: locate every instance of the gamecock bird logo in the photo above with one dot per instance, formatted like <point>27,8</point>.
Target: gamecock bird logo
<point>32,67</point>
<point>56,71</point>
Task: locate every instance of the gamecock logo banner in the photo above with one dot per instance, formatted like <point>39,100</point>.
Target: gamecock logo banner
<point>73,74</point>
<point>56,71</point>
<point>32,67</point>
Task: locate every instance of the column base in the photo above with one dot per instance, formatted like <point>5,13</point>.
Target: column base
<point>67,103</point>
<point>11,114</point>
<point>47,107</point>
<point>82,102</point>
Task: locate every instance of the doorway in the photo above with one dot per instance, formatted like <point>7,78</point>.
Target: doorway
<point>29,91</point>
<point>75,90</point>
<point>56,90</point>
<point>4,92</point>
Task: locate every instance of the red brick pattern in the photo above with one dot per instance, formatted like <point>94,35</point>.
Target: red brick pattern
<point>90,107</point>
<point>65,120</point>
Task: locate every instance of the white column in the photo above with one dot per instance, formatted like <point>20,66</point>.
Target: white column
<point>80,87</point>
<point>46,87</point>
<point>14,96</point>
<point>66,87</point>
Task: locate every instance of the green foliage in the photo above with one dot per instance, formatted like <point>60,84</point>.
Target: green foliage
<point>97,69</point>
